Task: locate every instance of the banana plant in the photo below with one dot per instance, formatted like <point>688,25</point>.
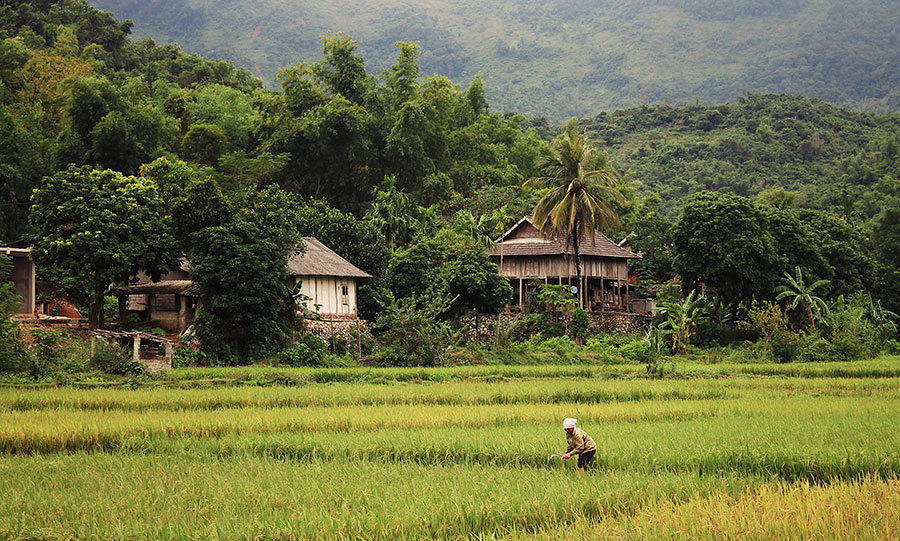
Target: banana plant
<point>801,294</point>
<point>682,318</point>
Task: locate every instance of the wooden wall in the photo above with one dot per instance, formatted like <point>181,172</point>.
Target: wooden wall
<point>327,291</point>
<point>22,276</point>
<point>555,266</point>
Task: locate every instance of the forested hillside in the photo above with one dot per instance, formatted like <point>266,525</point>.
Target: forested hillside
<point>118,155</point>
<point>835,159</point>
<point>563,59</point>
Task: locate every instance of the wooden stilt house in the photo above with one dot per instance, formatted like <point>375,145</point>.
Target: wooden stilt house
<point>524,254</point>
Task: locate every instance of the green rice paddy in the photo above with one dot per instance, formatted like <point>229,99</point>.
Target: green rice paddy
<point>723,451</point>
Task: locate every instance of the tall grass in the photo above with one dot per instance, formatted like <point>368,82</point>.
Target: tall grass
<point>461,454</point>
<point>86,496</point>
<point>865,509</point>
<point>532,391</point>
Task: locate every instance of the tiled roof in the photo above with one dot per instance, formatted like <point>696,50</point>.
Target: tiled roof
<point>600,246</point>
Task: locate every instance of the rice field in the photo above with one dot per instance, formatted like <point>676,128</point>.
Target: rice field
<point>724,451</point>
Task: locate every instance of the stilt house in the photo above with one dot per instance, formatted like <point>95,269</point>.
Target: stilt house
<point>524,254</point>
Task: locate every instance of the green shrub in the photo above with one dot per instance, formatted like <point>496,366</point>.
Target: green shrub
<point>578,327</point>
<point>891,347</point>
<point>47,351</point>
<point>188,356</point>
<point>817,351</point>
<point>410,332</point>
<point>852,348</point>
<point>531,325</point>
<point>852,334</point>
<point>785,346</point>
<point>635,351</point>
<point>114,358</point>
<point>552,329</point>
<point>600,346</point>
<point>307,350</point>
<point>561,345</point>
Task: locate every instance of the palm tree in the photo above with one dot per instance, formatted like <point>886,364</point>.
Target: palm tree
<point>501,218</point>
<point>578,202</point>
<point>477,229</point>
<point>802,294</point>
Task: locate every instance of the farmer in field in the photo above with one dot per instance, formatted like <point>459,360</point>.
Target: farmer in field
<point>579,444</point>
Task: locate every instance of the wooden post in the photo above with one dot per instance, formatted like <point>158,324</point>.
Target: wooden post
<point>583,296</point>
<point>136,355</point>
<point>93,344</point>
<point>602,294</point>
<point>521,298</point>
<point>122,299</point>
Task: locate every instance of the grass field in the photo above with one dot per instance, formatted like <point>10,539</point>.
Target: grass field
<point>722,451</point>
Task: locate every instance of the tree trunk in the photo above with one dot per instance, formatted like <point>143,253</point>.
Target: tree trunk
<point>809,314</point>
<point>95,309</point>
<point>577,261</point>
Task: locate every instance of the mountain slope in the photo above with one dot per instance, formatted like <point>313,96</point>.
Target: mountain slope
<point>835,159</point>
<point>561,58</point>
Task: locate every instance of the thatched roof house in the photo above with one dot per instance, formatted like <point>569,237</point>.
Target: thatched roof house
<point>329,280</point>
<point>523,253</point>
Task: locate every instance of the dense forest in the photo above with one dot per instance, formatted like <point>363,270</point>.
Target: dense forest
<point>834,158</point>
<point>119,155</point>
<point>563,59</point>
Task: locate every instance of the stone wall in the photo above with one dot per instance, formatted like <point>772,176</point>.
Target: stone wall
<point>340,328</point>
<point>483,327</point>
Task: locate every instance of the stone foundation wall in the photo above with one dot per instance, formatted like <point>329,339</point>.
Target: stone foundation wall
<point>341,329</point>
<point>483,327</point>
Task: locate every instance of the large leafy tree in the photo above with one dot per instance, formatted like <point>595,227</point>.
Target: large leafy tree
<point>328,139</point>
<point>240,265</point>
<point>453,266</point>
<point>97,227</point>
<point>847,250</point>
<point>795,243</point>
<point>721,241</point>
<point>579,201</point>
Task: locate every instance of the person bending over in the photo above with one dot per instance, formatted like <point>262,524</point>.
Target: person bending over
<point>579,444</point>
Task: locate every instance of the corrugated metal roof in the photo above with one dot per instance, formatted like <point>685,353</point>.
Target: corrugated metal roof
<point>320,260</point>
<point>600,247</point>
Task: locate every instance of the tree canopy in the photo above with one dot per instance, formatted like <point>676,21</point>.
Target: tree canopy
<point>97,227</point>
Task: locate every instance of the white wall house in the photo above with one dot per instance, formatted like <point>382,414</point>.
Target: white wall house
<point>326,278</point>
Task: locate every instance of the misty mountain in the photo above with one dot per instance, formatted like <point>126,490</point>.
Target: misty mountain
<point>563,58</point>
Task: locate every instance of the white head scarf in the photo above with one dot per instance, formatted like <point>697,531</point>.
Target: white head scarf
<point>569,423</point>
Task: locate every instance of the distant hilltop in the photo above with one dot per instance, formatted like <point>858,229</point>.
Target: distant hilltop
<point>561,59</point>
